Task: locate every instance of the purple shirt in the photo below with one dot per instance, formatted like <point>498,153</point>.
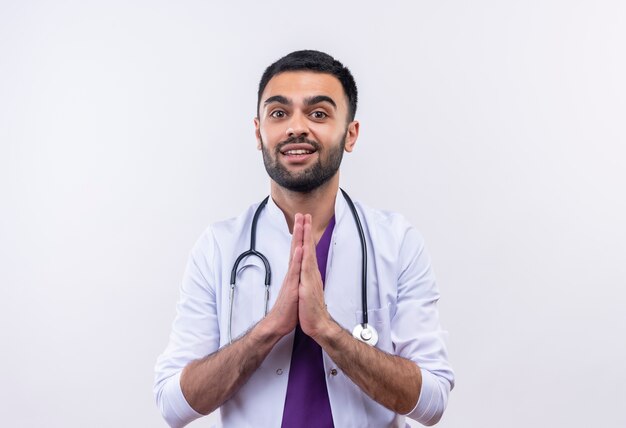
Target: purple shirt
<point>306,404</point>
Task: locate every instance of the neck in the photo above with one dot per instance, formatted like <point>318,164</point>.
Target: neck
<point>320,203</point>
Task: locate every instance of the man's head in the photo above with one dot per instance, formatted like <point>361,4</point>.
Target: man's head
<point>306,106</point>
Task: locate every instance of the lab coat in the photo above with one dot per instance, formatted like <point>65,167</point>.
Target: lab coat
<point>401,293</point>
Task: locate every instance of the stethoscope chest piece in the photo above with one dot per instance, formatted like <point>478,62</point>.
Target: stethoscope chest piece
<point>365,333</point>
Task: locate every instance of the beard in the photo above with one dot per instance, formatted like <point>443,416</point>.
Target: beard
<point>312,177</point>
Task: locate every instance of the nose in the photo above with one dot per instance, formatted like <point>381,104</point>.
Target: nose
<point>297,126</point>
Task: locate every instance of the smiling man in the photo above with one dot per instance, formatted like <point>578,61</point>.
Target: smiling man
<point>345,331</point>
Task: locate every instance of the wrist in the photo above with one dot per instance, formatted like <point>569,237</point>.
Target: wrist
<point>329,333</point>
<point>266,331</point>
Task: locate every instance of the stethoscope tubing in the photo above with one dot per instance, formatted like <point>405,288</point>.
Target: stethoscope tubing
<point>251,252</point>
<point>359,227</point>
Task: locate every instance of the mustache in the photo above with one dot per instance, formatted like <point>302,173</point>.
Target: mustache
<point>298,140</point>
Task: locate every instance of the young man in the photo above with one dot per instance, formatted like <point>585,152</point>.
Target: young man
<point>299,365</point>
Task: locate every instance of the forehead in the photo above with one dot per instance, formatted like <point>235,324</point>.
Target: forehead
<point>297,85</point>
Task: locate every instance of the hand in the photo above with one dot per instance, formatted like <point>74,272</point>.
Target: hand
<point>314,317</point>
<point>284,314</point>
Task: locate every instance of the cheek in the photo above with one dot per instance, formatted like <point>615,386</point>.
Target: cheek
<point>332,137</point>
<point>324,134</point>
<point>269,135</point>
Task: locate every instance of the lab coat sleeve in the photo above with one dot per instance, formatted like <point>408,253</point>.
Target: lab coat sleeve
<point>194,333</point>
<point>416,331</point>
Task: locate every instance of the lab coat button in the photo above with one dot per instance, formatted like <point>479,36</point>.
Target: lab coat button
<point>333,372</point>
<point>279,372</point>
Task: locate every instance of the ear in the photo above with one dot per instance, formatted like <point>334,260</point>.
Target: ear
<point>257,133</point>
<point>352,135</point>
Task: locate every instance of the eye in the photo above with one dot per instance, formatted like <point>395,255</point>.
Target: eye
<point>317,114</point>
<point>277,114</point>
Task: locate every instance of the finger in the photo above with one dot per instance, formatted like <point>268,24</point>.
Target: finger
<point>310,239</point>
<point>293,273</point>
<point>299,220</point>
<point>296,237</point>
<point>309,259</point>
<point>306,236</point>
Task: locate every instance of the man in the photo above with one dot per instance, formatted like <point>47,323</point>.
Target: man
<point>299,365</point>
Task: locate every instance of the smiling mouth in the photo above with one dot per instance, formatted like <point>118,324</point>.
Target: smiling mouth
<point>298,152</point>
<point>298,149</point>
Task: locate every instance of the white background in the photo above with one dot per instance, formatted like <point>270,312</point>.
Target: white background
<point>496,127</point>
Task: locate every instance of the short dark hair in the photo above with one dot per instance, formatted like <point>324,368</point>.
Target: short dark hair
<point>316,61</point>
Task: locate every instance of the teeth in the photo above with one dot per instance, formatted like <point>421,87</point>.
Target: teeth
<point>298,152</point>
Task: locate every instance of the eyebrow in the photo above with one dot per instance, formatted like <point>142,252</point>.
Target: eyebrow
<point>277,99</point>
<point>307,101</point>
<point>320,99</point>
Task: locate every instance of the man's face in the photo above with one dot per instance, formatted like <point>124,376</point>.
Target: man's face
<point>302,129</point>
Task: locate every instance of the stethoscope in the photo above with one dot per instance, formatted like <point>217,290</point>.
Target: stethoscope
<point>363,331</point>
